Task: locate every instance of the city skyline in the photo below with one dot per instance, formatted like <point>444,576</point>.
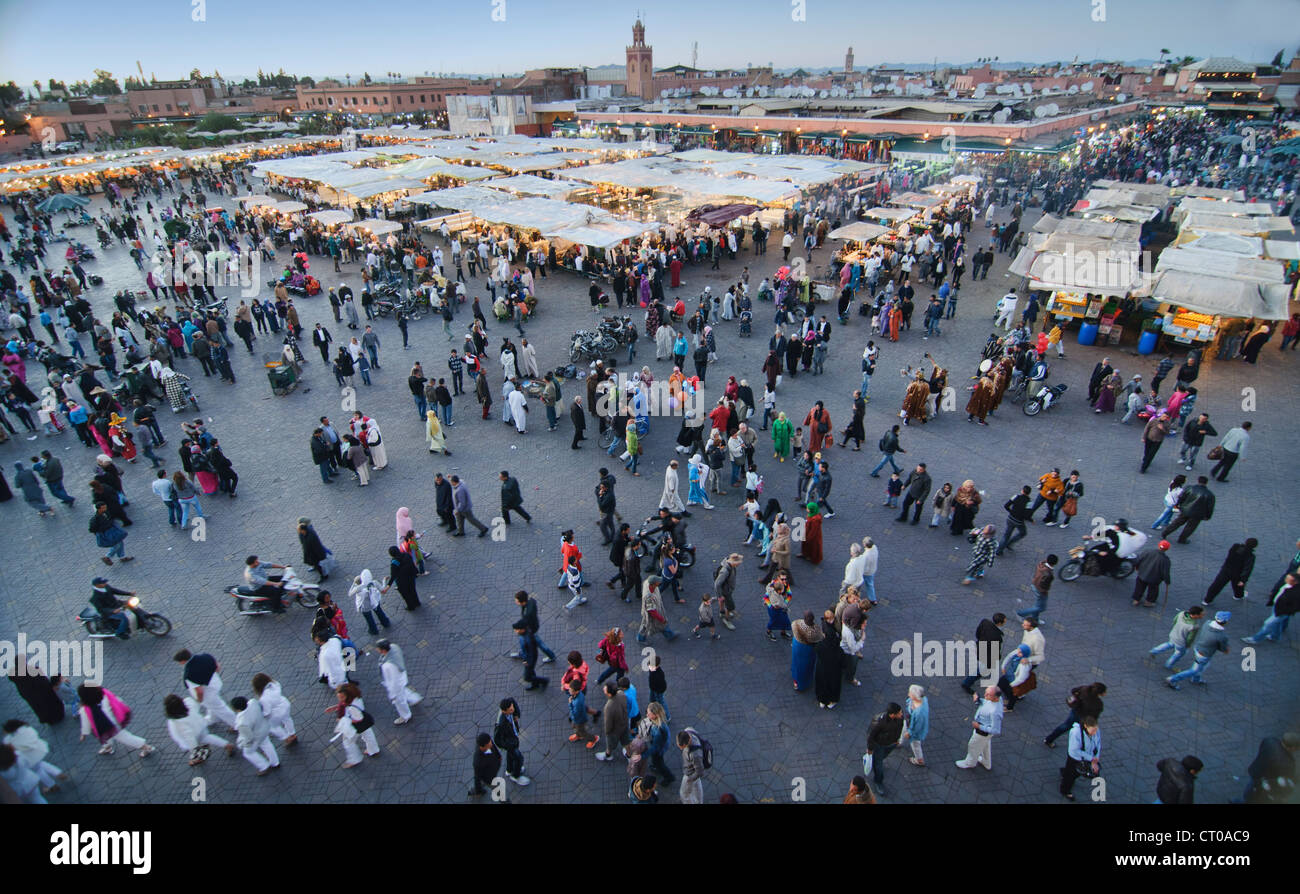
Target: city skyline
<point>535,35</point>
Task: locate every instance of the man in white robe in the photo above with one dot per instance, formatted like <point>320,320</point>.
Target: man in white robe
<point>518,406</point>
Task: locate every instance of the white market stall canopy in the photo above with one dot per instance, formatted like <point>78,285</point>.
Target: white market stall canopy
<point>286,207</point>
<point>1074,271</point>
<point>917,200</point>
<point>890,214</point>
<point>461,220</point>
<point>859,231</point>
<point>1245,246</point>
<point>1086,227</point>
<point>254,201</point>
<point>603,235</point>
<point>1219,265</point>
<point>428,168</point>
<point>531,185</point>
<point>1282,250</point>
<point>377,226</point>
<point>330,218</point>
<point>379,187</point>
<point>1217,295</point>
<point>1210,192</point>
<point>1203,222</point>
<point>1236,209</point>
<point>1150,193</point>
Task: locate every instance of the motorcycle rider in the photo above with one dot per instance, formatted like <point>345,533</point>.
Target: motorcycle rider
<point>255,573</point>
<point>103,597</point>
<point>1121,543</point>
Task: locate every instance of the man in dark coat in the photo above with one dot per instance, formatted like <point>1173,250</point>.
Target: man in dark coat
<point>1177,783</point>
<point>445,508</point>
<point>917,489</point>
<point>1194,506</point>
<point>1100,373</point>
<point>1152,571</point>
<point>512,499</point>
<point>1236,569</point>
<point>579,418</point>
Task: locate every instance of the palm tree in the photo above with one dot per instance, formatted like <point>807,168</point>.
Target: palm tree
<point>1163,54</point>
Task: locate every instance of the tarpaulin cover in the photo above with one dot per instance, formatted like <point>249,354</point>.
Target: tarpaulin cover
<point>720,215</point>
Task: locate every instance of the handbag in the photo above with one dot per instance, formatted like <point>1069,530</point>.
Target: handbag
<point>1215,454</point>
<point>1071,507</point>
<point>1030,684</point>
<point>365,723</point>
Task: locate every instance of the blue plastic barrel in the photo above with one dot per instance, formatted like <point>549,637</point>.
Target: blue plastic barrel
<point>1147,342</point>
<point>1088,334</point>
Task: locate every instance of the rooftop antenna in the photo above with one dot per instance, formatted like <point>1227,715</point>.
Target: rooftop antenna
<point>695,54</point>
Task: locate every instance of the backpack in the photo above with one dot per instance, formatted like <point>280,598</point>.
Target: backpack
<point>705,749</point>
<point>881,445</point>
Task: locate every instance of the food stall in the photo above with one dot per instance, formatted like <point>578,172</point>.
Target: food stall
<point>1083,277</point>
<point>857,238</point>
<point>1199,309</point>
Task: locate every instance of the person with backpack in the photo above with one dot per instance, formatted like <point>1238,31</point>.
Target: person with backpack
<point>697,756</point>
<point>888,446</point>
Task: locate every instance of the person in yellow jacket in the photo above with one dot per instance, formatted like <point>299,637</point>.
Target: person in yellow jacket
<point>1050,489</point>
<point>1054,340</point>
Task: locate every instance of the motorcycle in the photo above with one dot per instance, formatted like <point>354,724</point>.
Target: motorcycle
<point>644,543</point>
<point>100,627</point>
<point>220,306</point>
<point>1084,560</point>
<point>1046,398</point>
<point>588,345</point>
<point>616,328</point>
<point>249,603</point>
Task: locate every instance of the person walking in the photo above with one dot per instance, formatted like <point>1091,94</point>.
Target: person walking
<point>108,535</point>
<point>1152,437</point>
<point>1041,583</point>
<point>1195,505</point>
<point>50,468</point>
<point>1177,783</point>
<point>1286,602</point>
<point>1084,758</point>
<point>392,668</point>
<point>1083,701</point>
<point>882,738</point>
<point>615,718</point>
<point>653,619</point>
<point>691,746</point>
<point>889,445</point>
<point>355,725</point>
<point>26,481</point>
<point>464,509</point>
<point>1151,570</point>
<point>1194,434</point>
<point>1233,448</point>
<point>986,724</point>
<point>505,735</point>
<point>512,499</point>
<point>254,741</point>
<point>105,716</point>
<point>1236,569</point>
<point>916,727</point>
<point>916,489</point>
<point>1210,639</point>
<point>982,553</point>
<point>1181,635</point>
<point>1018,513</point>
<point>201,675</point>
<point>402,573</point>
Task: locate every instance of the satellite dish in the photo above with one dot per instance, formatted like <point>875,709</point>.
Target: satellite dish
<point>1052,109</point>
<point>1073,89</point>
<point>1087,87</point>
<point>1028,88</point>
<point>980,90</point>
<point>1001,116</point>
<point>952,94</point>
<point>1040,111</point>
<point>1120,97</point>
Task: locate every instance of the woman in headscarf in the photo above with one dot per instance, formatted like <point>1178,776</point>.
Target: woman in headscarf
<point>1001,381</point>
<point>408,541</point>
<point>314,552</point>
<point>698,472</point>
<point>402,573</point>
<point>434,435</point>
<point>772,369</point>
<point>803,657</point>
<point>1255,343</point>
<point>818,425</point>
<point>812,535</point>
<point>895,320</point>
<point>965,506</point>
<point>829,677</point>
<point>1105,402</point>
<point>171,382</point>
<point>392,666</point>
<point>39,691</point>
<point>375,441</point>
<point>781,431</point>
<point>99,431</point>
<point>916,401</point>
<point>508,361</point>
<point>653,619</point>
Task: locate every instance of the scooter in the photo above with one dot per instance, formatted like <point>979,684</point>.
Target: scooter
<point>100,627</point>
<point>1084,560</point>
<point>1046,398</point>
<point>644,543</point>
<point>248,603</point>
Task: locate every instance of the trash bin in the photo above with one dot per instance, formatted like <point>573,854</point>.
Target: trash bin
<point>1147,341</point>
<point>1088,334</point>
<point>282,378</point>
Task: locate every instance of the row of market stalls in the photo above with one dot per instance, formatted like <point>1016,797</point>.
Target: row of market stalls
<point>891,224</point>
<point>1223,269</point>
<point>94,171</point>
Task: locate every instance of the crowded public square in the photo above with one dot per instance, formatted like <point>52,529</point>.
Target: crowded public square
<point>425,503</point>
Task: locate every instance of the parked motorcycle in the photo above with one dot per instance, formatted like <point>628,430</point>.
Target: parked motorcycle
<point>1047,397</point>
<point>645,541</point>
<point>249,603</point>
<point>590,345</point>
<point>100,627</point>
